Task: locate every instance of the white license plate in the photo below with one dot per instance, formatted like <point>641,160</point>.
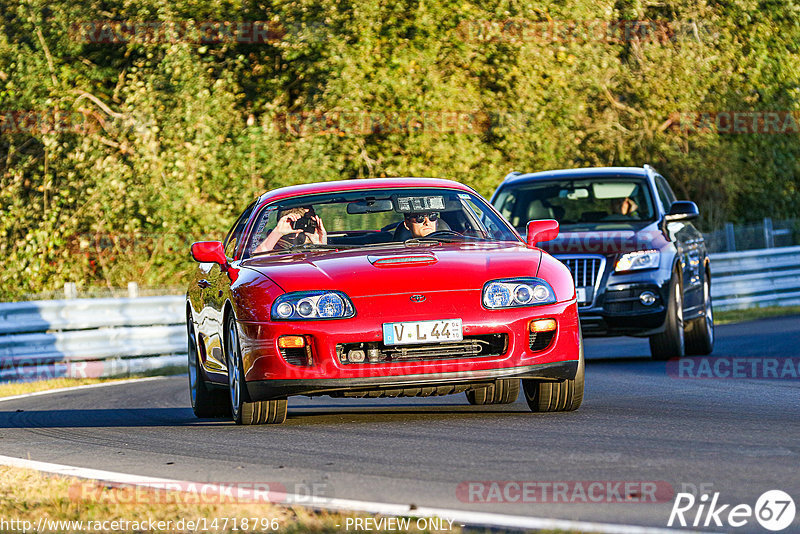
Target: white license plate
<point>422,332</point>
<point>581,294</point>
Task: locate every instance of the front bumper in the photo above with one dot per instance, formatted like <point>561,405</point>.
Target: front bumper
<point>618,310</point>
<point>269,375</point>
<point>401,385</point>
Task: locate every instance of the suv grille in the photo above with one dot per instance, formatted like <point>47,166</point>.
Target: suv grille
<point>584,270</point>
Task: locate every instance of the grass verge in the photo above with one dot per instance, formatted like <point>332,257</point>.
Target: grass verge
<point>20,388</point>
<point>60,504</point>
<point>751,314</point>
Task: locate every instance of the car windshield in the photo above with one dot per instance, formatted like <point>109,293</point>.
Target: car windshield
<point>373,218</point>
<point>591,203</point>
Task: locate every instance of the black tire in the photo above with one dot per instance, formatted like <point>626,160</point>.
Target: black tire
<point>243,410</point>
<point>564,396</point>
<point>671,342</point>
<point>700,331</point>
<point>206,402</point>
<point>504,391</point>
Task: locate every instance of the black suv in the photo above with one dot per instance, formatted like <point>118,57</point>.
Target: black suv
<point>640,266</point>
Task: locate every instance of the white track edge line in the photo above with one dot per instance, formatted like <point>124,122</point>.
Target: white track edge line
<point>462,517</point>
<point>84,386</point>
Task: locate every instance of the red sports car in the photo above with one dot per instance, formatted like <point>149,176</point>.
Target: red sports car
<point>379,288</point>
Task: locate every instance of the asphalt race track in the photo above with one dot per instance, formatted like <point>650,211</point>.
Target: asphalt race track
<point>639,423</point>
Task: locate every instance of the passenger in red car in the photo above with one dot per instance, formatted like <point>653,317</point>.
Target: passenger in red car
<point>421,224</point>
<point>285,236</point>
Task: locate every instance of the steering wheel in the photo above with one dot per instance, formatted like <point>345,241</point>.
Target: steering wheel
<point>442,233</point>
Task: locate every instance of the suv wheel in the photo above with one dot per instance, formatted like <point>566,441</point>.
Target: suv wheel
<point>670,343</point>
<point>700,331</point>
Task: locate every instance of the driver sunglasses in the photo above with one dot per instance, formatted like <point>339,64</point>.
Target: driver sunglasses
<point>419,218</point>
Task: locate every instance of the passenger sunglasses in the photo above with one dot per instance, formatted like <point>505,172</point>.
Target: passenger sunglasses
<point>419,218</point>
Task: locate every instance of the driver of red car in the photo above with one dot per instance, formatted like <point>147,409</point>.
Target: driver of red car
<point>421,224</point>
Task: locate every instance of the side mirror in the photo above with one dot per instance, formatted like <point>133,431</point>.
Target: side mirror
<point>542,230</point>
<point>209,252</point>
<point>682,210</point>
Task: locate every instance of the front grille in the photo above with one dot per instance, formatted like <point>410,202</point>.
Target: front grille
<point>470,347</point>
<point>540,340</point>
<point>584,270</point>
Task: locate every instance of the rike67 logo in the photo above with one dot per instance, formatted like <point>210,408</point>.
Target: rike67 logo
<point>774,510</point>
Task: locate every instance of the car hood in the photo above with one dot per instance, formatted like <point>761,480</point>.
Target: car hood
<point>446,267</point>
<point>606,242</point>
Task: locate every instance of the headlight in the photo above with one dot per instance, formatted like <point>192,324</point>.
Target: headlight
<point>304,305</point>
<point>516,292</point>
<point>641,259</point>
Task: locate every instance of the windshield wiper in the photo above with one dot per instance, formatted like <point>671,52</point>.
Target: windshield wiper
<point>296,249</point>
<point>313,246</point>
<point>449,238</point>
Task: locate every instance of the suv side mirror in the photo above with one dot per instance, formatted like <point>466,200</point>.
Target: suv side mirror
<point>542,230</point>
<point>682,210</point>
<point>209,252</point>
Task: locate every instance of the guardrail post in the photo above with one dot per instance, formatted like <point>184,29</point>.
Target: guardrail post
<point>769,234</point>
<point>70,290</point>
<point>133,290</point>
<point>730,238</point>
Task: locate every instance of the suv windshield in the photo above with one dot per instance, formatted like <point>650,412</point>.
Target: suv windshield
<point>607,202</point>
<point>374,217</point>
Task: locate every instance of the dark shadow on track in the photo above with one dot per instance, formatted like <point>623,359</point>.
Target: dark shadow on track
<point>304,414</point>
<point>102,418</point>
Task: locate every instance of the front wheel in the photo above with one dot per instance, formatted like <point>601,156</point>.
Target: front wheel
<point>700,332</point>
<point>206,402</point>
<point>564,396</point>
<point>245,411</point>
<point>503,391</point>
<point>670,343</point>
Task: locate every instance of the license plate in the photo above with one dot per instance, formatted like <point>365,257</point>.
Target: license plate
<point>581,294</point>
<point>422,332</point>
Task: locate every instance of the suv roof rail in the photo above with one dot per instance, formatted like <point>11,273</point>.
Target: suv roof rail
<point>512,173</point>
<point>649,168</point>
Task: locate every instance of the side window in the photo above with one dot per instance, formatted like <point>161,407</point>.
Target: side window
<point>665,193</point>
<point>266,221</point>
<point>235,234</point>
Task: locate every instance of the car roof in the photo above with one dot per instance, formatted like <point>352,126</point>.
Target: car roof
<point>516,178</point>
<point>358,185</point>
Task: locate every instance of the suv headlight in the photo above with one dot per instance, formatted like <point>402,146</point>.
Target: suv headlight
<point>641,259</point>
<point>517,292</point>
<point>306,305</point>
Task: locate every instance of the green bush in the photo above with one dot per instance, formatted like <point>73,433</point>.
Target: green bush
<point>167,141</point>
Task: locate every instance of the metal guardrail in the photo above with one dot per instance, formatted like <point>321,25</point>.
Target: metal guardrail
<point>119,336</point>
<point>756,278</point>
<point>90,337</point>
